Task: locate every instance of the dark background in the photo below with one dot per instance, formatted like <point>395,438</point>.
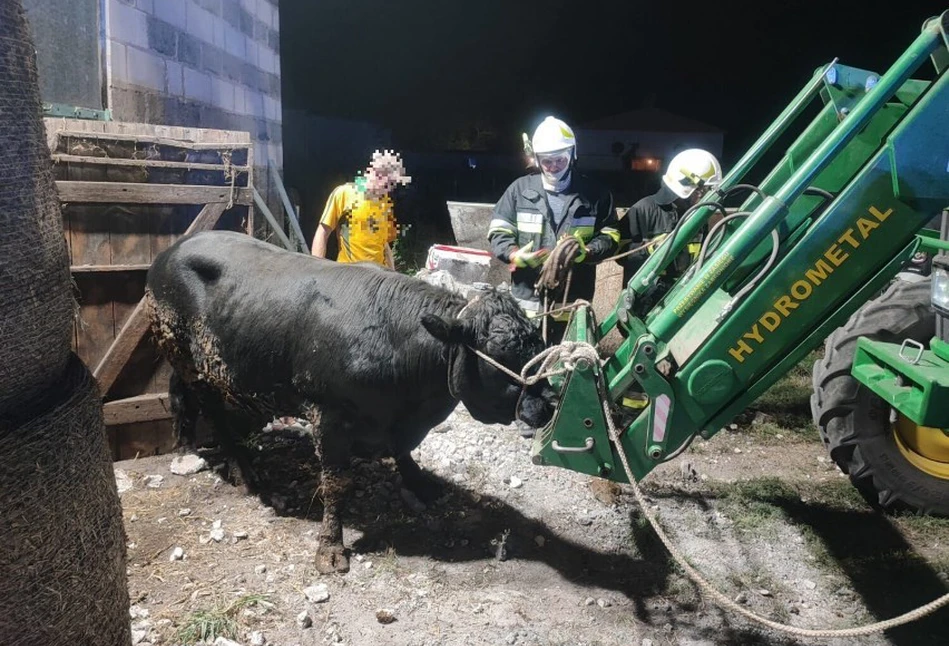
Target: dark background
<point>426,68</point>
<point>417,65</point>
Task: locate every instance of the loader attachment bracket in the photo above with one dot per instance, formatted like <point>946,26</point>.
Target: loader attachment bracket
<point>914,381</point>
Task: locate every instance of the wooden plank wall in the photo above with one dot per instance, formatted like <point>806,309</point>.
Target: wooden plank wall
<point>112,243</point>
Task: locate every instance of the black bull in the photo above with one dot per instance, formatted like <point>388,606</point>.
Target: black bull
<point>374,359</point>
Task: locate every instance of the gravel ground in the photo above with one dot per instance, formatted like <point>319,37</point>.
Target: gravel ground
<point>520,554</point>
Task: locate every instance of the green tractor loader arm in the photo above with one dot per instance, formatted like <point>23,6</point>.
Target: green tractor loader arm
<point>819,238</point>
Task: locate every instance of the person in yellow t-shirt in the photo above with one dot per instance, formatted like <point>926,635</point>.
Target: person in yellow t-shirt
<point>362,215</point>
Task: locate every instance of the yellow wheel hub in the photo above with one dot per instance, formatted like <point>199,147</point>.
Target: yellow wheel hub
<point>925,448</point>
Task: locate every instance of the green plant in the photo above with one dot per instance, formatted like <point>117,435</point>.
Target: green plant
<point>220,621</point>
<point>406,252</point>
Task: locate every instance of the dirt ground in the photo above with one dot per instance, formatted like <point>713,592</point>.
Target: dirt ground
<point>526,555</point>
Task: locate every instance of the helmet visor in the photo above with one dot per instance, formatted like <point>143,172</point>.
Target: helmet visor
<point>554,163</point>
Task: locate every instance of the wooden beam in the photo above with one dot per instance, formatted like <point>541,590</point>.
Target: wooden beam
<point>135,328</point>
<point>144,408</point>
<point>259,201</point>
<point>131,193</point>
<point>95,269</point>
<point>129,134</point>
<point>149,163</point>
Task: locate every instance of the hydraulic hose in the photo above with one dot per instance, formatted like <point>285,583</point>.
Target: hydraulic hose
<point>816,190</point>
<point>685,216</point>
<point>711,234</point>
<point>745,187</point>
<point>775,248</point>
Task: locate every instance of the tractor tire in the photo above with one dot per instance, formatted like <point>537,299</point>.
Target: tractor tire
<point>854,423</point>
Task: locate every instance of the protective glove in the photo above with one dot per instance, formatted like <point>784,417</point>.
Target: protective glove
<point>524,257</point>
<point>581,250</point>
<point>653,244</point>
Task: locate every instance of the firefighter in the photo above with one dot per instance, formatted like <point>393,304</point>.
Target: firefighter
<point>557,206</point>
<point>690,174</point>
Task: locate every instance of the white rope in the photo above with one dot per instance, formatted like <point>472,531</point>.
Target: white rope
<point>571,353</point>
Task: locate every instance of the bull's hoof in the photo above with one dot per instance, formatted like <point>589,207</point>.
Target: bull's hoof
<point>332,558</point>
<point>431,492</point>
<point>425,488</point>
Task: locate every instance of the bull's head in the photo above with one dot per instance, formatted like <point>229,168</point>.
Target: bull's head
<point>494,324</point>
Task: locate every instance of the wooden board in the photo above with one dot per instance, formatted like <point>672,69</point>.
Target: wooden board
<point>136,325</point>
<point>141,408</point>
<point>138,189</point>
<point>129,193</point>
<point>56,127</point>
<point>139,163</point>
<point>140,439</point>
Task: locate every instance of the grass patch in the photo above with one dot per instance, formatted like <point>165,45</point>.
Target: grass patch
<point>786,406</point>
<point>387,562</point>
<point>841,532</point>
<point>750,504</point>
<point>796,429</point>
<point>220,621</point>
<point>792,393</point>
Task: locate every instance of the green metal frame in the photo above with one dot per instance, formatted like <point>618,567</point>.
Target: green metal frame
<point>701,356</point>
<point>911,379</point>
<point>75,112</point>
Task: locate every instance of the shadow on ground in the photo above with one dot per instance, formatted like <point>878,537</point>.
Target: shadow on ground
<point>883,569</point>
<point>464,526</point>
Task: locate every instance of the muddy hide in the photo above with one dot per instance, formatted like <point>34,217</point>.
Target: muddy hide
<point>62,554</point>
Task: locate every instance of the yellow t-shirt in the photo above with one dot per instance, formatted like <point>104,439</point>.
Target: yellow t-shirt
<point>363,226</point>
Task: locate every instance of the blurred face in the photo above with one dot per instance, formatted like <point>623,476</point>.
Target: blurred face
<point>380,181</point>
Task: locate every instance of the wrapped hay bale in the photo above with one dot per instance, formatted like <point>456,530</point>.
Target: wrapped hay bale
<point>36,302</point>
<point>62,544</point>
<point>62,557</point>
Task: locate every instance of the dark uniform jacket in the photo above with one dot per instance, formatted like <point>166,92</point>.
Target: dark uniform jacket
<point>522,216</point>
<point>648,218</point>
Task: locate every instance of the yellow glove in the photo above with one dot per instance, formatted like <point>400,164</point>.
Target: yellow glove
<point>582,252</point>
<point>579,252</point>
<point>524,257</point>
<point>655,242</point>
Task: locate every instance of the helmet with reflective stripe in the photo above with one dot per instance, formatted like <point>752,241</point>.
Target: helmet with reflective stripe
<point>553,135</point>
<point>691,169</point>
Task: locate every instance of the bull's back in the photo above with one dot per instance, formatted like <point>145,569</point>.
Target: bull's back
<point>251,318</point>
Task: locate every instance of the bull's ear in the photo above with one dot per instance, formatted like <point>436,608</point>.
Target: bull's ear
<point>447,330</point>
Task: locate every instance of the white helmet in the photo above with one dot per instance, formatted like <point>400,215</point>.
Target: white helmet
<point>554,151</point>
<point>553,135</point>
<point>691,169</point>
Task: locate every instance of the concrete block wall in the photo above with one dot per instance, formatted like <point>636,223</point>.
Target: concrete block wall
<point>200,63</point>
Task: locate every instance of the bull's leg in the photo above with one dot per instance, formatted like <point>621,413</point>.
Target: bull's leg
<point>185,411</point>
<point>333,448</point>
<point>233,431</point>
<point>417,481</point>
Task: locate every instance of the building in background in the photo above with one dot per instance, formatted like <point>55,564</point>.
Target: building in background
<point>324,152</point>
<point>642,140</point>
<point>196,63</point>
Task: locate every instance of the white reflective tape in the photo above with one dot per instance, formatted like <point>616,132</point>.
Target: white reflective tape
<point>530,222</point>
<point>502,226</point>
<point>660,417</point>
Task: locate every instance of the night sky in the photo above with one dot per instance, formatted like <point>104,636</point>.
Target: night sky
<point>416,66</point>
